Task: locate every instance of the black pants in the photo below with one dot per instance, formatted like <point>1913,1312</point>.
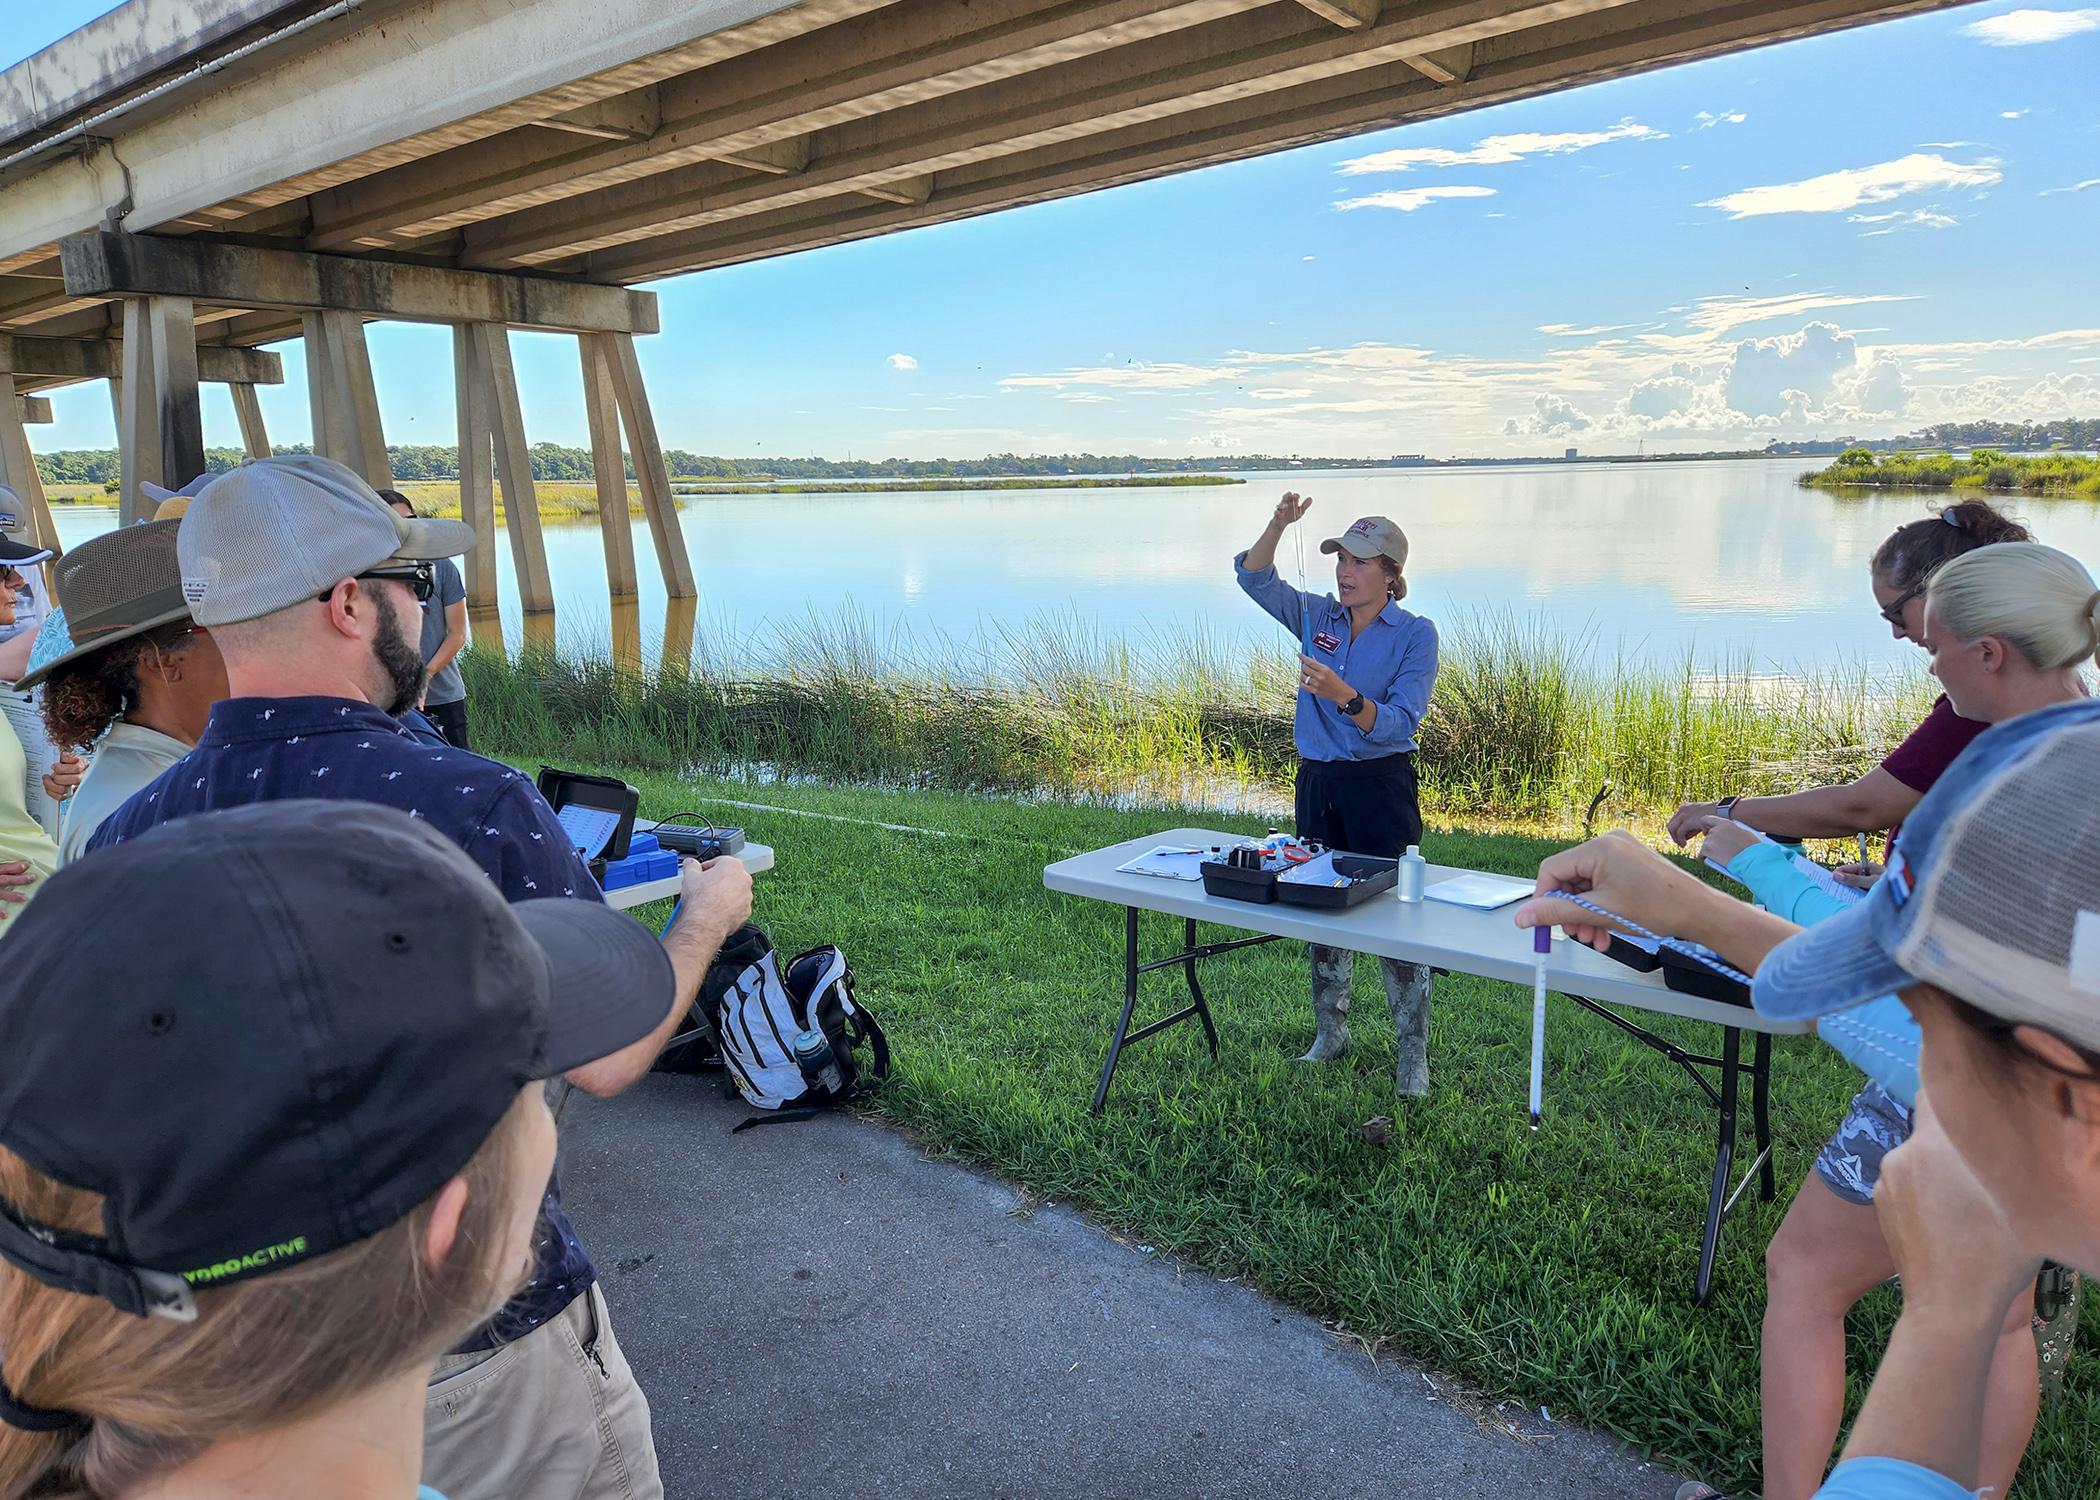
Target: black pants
<point>1361,806</point>
<point>451,720</point>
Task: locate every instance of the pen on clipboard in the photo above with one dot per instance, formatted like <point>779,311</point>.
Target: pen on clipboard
<point>1542,946</point>
<point>1862,848</point>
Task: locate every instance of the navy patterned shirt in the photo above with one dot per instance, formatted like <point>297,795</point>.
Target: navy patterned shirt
<point>273,749</point>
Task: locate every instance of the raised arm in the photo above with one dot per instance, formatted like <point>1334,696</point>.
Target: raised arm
<point>1289,511</point>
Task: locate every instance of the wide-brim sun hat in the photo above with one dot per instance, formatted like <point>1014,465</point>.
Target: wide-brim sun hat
<point>114,588</point>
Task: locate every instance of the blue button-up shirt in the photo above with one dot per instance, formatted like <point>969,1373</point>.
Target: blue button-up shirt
<point>272,749</point>
<point>1393,664</point>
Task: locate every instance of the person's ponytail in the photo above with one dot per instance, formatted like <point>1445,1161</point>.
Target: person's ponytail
<point>1916,550</point>
<point>2039,599</point>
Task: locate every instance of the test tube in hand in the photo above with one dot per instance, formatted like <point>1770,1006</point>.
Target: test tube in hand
<point>1542,946</point>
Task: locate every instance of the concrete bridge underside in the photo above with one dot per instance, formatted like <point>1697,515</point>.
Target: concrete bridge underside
<point>189,176</point>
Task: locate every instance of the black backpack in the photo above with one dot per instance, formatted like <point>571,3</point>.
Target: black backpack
<point>749,1012</point>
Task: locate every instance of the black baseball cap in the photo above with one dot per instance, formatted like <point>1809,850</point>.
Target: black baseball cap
<point>268,1033</point>
<point>14,554</point>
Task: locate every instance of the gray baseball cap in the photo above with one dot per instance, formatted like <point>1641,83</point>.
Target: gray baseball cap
<point>275,531</point>
<point>1373,536</point>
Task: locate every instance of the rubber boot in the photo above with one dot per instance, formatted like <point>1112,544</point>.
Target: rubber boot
<point>1333,970</point>
<point>1407,989</point>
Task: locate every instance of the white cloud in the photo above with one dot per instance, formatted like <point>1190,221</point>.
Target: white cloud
<point>1707,120</point>
<point>1085,396</point>
<point>1499,150</point>
<point>1570,331</point>
<point>1895,219</point>
<point>1711,317</point>
<point>1768,376</point>
<point>1132,376</point>
<point>1281,393</point>
<point>2024,28</point>
<point>1407,200</point>
<point>1308,257</point>
<point>903,362</point>
<point>2076,187</point>
<point>1551,416</point>
<point>1834,192</point>
<point>1945,145</point>
<point>2011,114</point>
<point>1664,396</point>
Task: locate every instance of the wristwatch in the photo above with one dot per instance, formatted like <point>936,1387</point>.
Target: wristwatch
<point>1353,707</point>
<point>1726,806</point>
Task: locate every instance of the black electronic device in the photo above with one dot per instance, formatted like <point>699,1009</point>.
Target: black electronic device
<point>597,811</point>
<point>697,842</point>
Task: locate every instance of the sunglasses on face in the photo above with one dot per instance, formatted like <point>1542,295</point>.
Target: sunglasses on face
<point>420,581</point>
<point>1893,611</point>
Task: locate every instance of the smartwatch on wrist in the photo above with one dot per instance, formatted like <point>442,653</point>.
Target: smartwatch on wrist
<point>1726,806</point>
<point>1353,707</point>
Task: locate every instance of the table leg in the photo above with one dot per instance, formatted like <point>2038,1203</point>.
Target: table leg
<point>1190,953</point>
<point>1761,1108</point>
<point>1724,1164</point>
<point>1130,993</point>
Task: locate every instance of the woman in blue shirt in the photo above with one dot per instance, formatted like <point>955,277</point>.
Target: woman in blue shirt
<point>1366,668</point>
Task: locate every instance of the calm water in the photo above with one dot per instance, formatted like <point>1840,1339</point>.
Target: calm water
<point>1730,562</point>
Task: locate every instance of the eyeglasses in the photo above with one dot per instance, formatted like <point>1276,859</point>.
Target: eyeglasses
<point>2007,1034</point>
<point>420,580</point>
<point>1893,612</point>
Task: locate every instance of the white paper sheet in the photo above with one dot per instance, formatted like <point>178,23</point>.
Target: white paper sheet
<point>1480,892</point>
<point>1168,862</point>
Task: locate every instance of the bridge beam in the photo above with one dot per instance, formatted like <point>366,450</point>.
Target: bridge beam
<point>102,263</point>
<point>101,359</point>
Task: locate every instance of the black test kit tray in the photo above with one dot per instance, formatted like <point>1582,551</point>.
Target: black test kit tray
<point>1355,878</point>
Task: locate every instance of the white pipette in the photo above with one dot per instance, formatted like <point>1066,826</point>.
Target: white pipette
<point>1542,946</point>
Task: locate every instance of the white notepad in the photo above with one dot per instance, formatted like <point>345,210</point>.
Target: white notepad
<point>1480,892</point>
<point>1168,862</point>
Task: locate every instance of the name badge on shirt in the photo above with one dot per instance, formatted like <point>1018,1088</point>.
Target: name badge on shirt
<point>1327,643</point>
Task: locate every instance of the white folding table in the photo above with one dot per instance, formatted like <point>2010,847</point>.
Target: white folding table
<point>1446,937</point>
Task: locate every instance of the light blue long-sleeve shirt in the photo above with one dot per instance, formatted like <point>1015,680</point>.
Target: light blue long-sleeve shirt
<point>1393,664</point>
<point>1881,1037</point>
<point>1888,1479</point>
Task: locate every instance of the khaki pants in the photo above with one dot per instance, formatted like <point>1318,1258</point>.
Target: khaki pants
<point>554,1416</point>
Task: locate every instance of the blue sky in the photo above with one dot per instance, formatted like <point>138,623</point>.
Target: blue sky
<point>1858,233</point>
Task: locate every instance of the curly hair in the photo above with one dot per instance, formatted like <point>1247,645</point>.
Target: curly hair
<point>83,698</point>
<point>1916,550</point>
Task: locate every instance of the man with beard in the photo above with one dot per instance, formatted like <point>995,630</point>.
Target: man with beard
<point>310,583</point>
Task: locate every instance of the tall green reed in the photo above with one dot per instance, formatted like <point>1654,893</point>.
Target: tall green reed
<point>1526,721</point>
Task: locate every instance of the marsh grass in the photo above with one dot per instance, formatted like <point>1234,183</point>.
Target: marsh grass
<point>1526,723</point>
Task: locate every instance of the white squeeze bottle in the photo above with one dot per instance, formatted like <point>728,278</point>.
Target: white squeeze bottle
<point>1409,885</point>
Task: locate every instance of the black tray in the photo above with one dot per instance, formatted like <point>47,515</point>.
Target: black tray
<point>1236,884</point>
<point>1368,874</point>
<point>1690,977</point>
<point>1634,956</point>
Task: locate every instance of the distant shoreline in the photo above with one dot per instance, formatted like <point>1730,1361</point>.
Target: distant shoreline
<point>910,486</point>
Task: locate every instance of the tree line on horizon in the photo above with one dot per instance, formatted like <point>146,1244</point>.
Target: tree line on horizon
<point>414,463</point>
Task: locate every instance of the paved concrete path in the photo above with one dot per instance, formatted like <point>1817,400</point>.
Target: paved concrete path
<point>817,1309</point>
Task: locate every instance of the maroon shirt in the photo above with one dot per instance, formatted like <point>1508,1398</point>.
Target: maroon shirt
<point>1932,747</point>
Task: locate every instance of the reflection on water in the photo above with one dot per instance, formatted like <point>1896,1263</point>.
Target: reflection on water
<point>1727,562</point>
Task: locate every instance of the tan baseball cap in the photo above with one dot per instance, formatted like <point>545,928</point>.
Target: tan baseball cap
<point>1373,536</point>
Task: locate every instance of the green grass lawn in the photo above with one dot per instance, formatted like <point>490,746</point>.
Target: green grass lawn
<point>1555,1268</point>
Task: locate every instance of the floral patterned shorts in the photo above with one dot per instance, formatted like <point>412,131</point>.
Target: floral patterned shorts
<point>1850,1162</point>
